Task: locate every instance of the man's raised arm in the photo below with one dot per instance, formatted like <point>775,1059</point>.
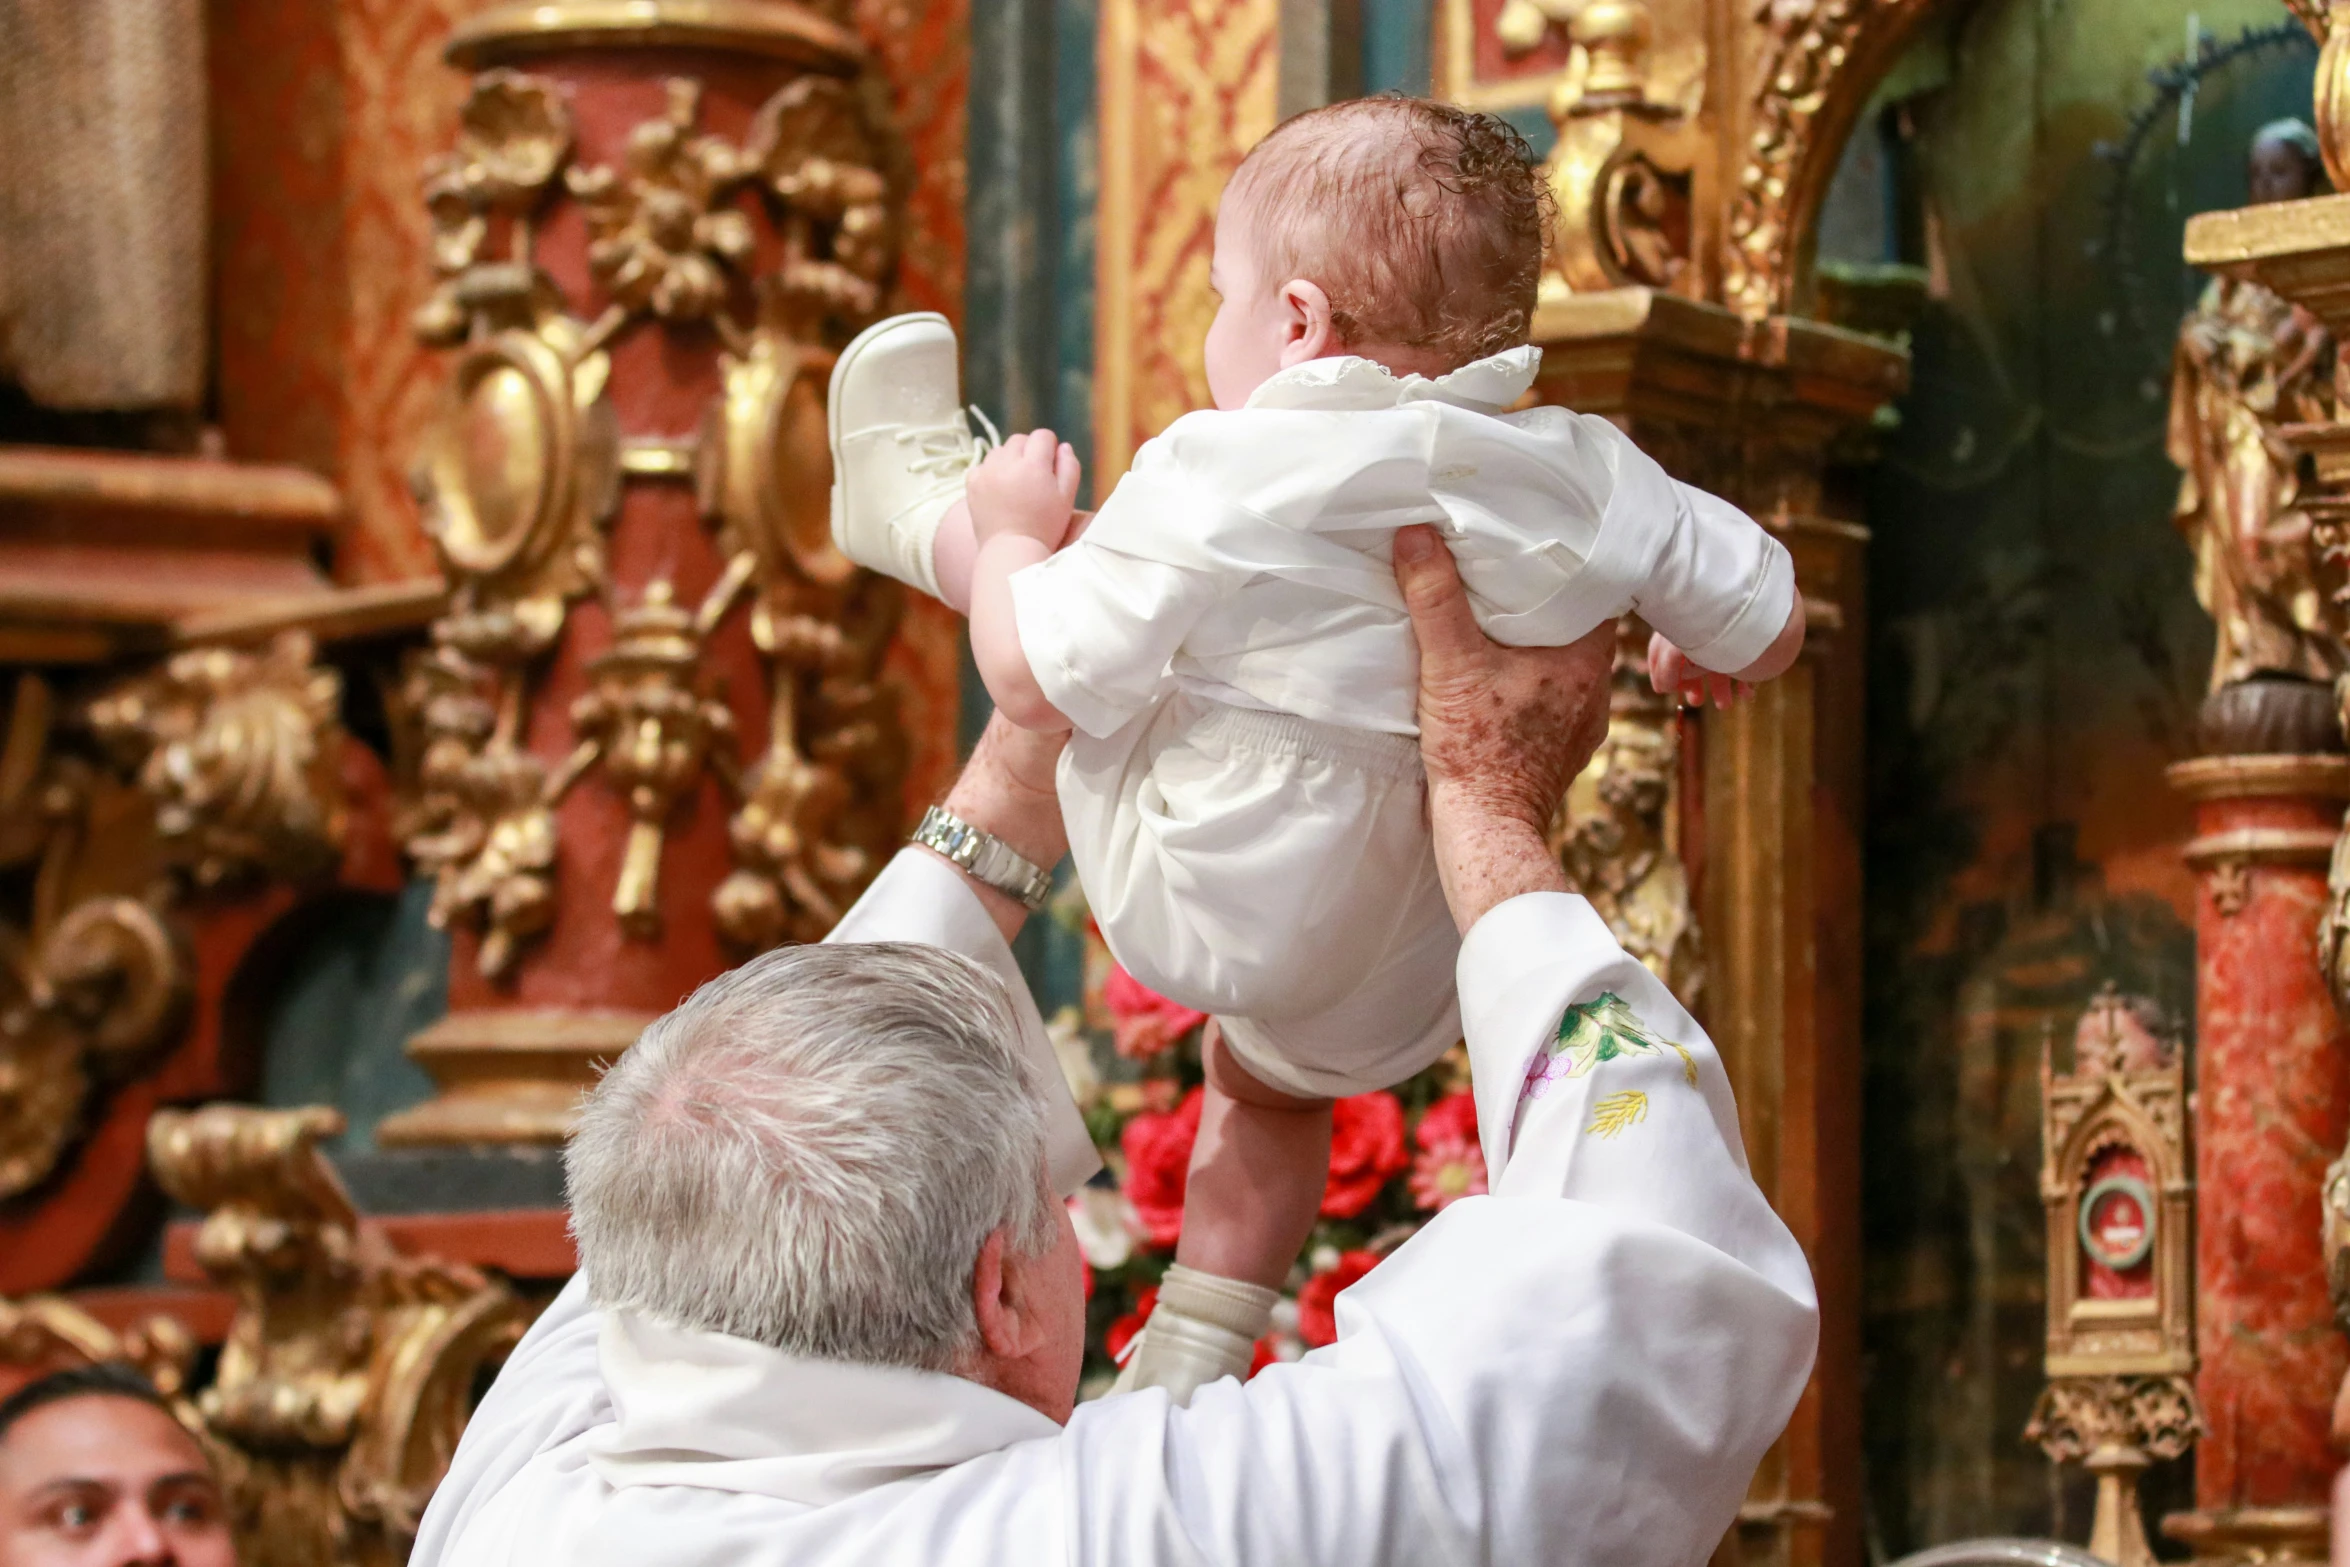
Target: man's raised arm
<point>1583,1367</point>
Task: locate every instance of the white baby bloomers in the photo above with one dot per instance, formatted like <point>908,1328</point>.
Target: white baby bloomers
<point>1243,792</point>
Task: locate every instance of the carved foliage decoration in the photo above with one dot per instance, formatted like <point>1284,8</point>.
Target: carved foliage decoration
<point>815,812</point>
<point>1816,67</point>
<point>348,1371</point>
<point>47,1332</point>
<point>664,239</point>
<point>237,752</point>
<point>525,471</point>
<point>2079,1417</point>
<point>219,767</point>
<point>650,721</point>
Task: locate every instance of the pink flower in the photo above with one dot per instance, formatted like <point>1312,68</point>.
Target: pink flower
<point>1366,1152</point>
<point>1157,1144</point>
<point>1143,1022</point>
<point>1451,1164</point>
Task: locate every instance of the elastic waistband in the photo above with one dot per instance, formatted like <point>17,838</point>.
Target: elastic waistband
<point>1286,734</point>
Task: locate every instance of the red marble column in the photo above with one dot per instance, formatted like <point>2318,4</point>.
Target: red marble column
<point>664,240</point>
<point>2272,1102</point>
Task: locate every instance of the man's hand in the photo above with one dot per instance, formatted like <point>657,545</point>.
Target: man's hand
<point>1026,487</point>
<point>1503,731</point>
<point>1007,789</point>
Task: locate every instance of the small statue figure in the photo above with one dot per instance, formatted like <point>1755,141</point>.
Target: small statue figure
<point>2247,363</point>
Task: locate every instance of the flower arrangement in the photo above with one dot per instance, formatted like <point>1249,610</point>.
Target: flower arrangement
<point>1397,1158</point>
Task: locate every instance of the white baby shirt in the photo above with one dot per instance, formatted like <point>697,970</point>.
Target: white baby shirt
<point>1245,556</point>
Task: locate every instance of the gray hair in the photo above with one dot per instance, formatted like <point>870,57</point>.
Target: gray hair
<point>810,1151</point>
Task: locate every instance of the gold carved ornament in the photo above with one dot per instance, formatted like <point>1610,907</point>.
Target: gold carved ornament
<point>46,1333</point>
<point>525,473</point>
<point>1622,173</point>
<point>815,812</point>
<point>1617,830</point>
<point>1817,66</point>
<point>348,1371</point>
<point>2329,23</point>
<point>217,767</point>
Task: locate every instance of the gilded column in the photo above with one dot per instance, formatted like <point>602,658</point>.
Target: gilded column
<point>1771,834</point>
<point>651,735</point>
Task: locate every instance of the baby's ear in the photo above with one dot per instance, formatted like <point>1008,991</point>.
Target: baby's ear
<point>1314,332</point>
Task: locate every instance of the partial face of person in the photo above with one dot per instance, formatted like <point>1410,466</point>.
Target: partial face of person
<point>108,1482</point>
<point>2279,171</point>
<point>1253,322</point>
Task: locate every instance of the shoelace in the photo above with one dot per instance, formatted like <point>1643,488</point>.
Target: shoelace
<point>948,449</point>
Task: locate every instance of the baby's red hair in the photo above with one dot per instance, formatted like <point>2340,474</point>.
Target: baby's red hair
<point>1424,223</point>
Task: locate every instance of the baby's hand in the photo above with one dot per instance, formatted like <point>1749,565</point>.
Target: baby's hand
<point>1026,487</point>
<point>1672,672</point>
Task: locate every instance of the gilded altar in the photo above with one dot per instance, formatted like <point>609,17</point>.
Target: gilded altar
<point>500,569</point>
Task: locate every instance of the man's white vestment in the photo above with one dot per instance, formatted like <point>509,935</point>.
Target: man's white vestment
<point>1583,1367</point>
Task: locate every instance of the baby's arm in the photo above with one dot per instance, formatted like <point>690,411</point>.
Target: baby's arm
<point>1722,598</point>
<point>1022,499</point>
<point>1672,671</point>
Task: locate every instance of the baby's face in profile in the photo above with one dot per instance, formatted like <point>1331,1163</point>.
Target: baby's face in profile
<point>1266,322</point>
<point>1252,324</point>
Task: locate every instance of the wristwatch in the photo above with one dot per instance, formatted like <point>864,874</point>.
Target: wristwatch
<point>985,858</point>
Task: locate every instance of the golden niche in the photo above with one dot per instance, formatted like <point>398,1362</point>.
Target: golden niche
<point>2116,1182</point>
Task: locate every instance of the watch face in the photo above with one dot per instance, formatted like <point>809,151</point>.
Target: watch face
<point>2117,1222</point>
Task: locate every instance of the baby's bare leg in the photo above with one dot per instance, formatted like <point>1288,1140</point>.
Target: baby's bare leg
<point>956,546</point>
<point>1257,1174</point>
<point>951,553</point>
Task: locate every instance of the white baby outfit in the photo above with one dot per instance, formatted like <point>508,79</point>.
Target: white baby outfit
<point>1243,792</point>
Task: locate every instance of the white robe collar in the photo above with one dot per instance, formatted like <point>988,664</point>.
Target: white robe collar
<point>703,1409</point>
<point>1486,385</point>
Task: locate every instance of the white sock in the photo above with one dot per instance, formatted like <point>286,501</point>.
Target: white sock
<point>1203,1328</point>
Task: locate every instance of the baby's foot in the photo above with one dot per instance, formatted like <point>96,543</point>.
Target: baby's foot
<point>900,445</point>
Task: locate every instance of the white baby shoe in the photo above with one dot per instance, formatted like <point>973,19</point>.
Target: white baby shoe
<point>900,445</point>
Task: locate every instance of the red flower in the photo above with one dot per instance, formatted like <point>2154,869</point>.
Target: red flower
<point>1262,1358</point>
<point>1121,1330</point>
<point>1317,1320</point>
<point>1366,1152</point>
<point>1143,1022</point>
<point>1448,1120</point>
<point>1451,1164</point>
<point>1158,1158</point>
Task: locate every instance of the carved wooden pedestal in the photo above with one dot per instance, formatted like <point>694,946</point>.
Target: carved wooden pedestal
<point>2272,1105</point>
<point>1750,411</point>
<point>650,737</point>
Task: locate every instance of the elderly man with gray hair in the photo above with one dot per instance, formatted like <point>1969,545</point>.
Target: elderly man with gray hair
<point>831,1308</point>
